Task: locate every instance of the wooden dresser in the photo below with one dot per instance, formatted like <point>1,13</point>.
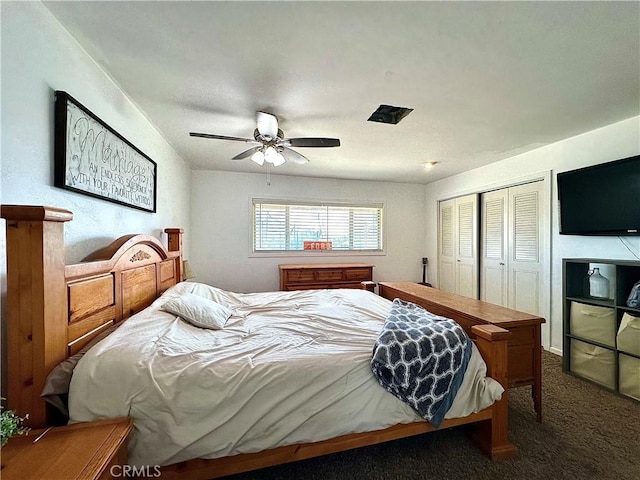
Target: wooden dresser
<point>324,275</point>
<point>89,451</point>
<point>524,348</point>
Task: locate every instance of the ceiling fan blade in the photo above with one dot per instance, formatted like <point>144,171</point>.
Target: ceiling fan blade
<point>293,156</point>
<point>311,142</point>
<point>267,124</point>
<point>247,153</point>
<point>223,137</point>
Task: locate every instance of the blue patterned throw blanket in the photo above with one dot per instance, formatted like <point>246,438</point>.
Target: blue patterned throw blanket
<point>421,358</point>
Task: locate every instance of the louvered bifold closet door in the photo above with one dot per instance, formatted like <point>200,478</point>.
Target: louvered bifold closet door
<point>467,246</point>
<point>493,257</point>
<point>525,247</point>
<point>446,247</point>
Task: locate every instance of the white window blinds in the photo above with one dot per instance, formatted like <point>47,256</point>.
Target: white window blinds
<point>291,226</point>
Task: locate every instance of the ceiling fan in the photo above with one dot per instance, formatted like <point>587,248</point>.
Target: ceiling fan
<point>271,145</point>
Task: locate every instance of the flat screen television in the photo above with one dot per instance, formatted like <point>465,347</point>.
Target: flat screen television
<point>601,200</point>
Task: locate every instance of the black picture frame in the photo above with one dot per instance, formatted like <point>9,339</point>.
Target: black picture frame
<point>93,159</point>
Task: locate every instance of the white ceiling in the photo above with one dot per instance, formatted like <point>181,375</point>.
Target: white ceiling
<point>486,80</point>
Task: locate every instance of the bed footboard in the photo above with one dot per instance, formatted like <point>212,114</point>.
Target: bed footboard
<point>492,436</point>
<point>525,346</point>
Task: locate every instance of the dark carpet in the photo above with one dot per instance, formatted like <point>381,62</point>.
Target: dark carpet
<point>586,433</point>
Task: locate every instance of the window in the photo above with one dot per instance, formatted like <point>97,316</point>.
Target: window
<point>283,226</point>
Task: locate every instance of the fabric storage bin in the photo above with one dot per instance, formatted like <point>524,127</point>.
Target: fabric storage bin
<point>594,363</point>
<point>593,323</point>
<point>629,381</point>
<point>629,334</point>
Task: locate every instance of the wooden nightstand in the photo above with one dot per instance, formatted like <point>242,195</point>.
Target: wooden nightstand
<point>78,451</point>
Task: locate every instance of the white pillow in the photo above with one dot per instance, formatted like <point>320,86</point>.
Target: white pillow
<point>198,311</point>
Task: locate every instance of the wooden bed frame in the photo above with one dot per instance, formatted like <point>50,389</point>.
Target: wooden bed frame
<point>54,309</point>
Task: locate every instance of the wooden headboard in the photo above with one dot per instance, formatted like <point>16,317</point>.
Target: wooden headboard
<point>53,309</point>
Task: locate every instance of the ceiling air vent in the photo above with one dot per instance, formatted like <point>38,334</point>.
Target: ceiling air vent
<point>389,114</point>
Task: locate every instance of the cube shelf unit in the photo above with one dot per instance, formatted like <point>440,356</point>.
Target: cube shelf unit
<point>590,341</point>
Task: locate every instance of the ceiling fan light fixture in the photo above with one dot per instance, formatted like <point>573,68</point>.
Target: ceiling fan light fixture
<point>279,160</point>
<point>270,154</point>
<point>258,157</point>
<point>267,125</point>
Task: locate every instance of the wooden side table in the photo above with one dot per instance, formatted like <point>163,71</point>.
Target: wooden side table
<point>79,451</point>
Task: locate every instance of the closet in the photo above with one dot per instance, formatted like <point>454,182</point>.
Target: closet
<point>458,245</point>
<point>512,253</point>
<point>491,246</point>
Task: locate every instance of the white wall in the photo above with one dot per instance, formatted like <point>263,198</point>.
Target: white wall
<point>221,243</point>
<point>612,142</point>
<point>39,57</point>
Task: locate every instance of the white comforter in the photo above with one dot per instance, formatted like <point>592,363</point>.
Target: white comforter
<point>289,367</point>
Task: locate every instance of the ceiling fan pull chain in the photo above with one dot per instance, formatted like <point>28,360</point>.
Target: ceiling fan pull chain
<point>268,174</point>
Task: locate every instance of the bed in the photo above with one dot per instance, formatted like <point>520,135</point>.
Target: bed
<point>54,310</point>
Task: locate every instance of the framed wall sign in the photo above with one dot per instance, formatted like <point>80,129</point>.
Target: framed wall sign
<point>93,159</point>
